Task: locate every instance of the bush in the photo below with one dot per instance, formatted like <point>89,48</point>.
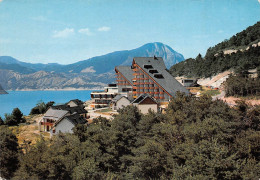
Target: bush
<point>41,107</point>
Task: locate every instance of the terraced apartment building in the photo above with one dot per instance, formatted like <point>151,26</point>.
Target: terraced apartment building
<point>147,75</point>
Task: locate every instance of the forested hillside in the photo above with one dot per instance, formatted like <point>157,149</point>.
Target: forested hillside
<point>216,61</point>
<point>196,139</point>
<point>240,40</point>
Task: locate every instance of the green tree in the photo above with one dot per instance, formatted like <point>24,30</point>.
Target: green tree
<point>1,121</point>
<point>9,153</point>
<point>17,115</point>
<point>9,120</point>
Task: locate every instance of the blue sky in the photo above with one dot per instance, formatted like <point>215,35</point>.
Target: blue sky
<point>66,31</point>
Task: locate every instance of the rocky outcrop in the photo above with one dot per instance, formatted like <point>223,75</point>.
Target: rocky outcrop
<point>2,91</point>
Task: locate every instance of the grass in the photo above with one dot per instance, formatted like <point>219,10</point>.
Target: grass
<point>212,92</point>
<point>104,110</point>
<point>250,97</point>
<point>204,90</point>
<point>28,133</point>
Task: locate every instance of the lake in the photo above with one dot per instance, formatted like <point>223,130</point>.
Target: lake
<point>26,100</point>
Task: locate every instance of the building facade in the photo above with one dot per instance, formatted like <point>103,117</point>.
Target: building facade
<point>103,98</point>
<point>147,75</point>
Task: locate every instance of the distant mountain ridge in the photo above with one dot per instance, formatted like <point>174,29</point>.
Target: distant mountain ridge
<point>99,64</point>
<point>88,73</point>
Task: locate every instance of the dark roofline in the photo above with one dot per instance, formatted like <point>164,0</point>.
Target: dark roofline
<point>123,75</point>
<point>144,97</point>
<point>153,79</point>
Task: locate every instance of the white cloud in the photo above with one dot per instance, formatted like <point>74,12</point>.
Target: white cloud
<point>104,28</point>
<point>1,0</point>
<point>259,1</point>
<point>85,31</point>
<point>64,33</point>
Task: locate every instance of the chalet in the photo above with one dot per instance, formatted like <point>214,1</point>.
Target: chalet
<point>50,117</point>
<point>66,124</point>
<point>147,75</point>
<point>119,102</point>
<point>103,98</point>
<point>55,113</point>
<point>144,103</point>
<point>72,110</point>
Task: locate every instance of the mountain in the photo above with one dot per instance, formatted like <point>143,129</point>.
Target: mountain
<point>240,53</point>
<point>91,73</point>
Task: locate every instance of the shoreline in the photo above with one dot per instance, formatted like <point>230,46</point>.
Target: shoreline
<point>67,89</point>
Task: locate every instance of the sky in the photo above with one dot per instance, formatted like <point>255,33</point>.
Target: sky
<point>67,31</point>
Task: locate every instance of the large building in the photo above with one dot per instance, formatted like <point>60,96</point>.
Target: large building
<point>103,98</point>
<point>147,75</point>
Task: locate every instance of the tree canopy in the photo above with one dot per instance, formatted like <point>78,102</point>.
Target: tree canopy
<point>195,139</point>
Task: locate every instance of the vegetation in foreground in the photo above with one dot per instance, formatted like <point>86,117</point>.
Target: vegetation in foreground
<point>196,139</point>
<point>242,86</point>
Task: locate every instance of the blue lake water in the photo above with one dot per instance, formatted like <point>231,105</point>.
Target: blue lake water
<point>26,100</point>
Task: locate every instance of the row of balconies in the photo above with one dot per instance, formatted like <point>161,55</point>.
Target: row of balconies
<point>138,74</point>
<point>147,92</point>
<point>135,87</point>
<point>123,84</point>
<point>137,83</point>
<point>145,78</point>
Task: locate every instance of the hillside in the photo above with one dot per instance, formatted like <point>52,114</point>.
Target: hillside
<point>92,73</point>
<point>241,40</point>
<point>221,57</point>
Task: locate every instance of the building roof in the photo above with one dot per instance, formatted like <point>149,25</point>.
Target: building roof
<point>74,119</point>
<point>77,101</point>
<point>127,72</point>
<point>72,110</point>
<point>162,76</point>
<point>117,98</point>
<point>55,114</point>
<point>141,98</point>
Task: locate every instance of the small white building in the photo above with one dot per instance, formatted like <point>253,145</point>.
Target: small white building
<point>187,82</point>
<point>50,117</point>
<point>66,124</point>
<point>144,103</point>
<point>119,102</point>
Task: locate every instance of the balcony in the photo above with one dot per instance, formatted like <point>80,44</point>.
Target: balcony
<point>161,97</point>
<point>123,84</point>
<point>47,123</point>
<point>161,92</point>
<point>138,74</point>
